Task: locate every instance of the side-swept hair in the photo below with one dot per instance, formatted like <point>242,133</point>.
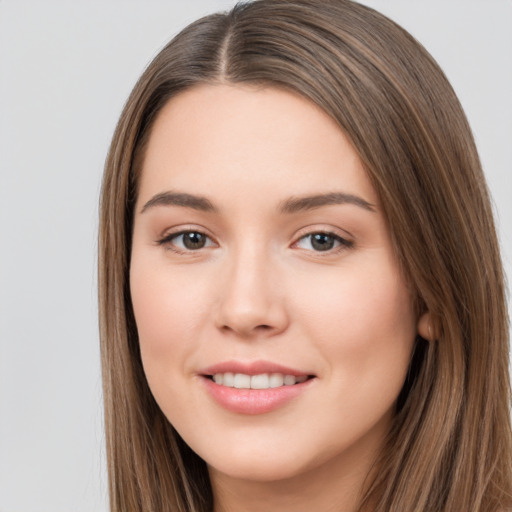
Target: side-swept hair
<point>450,446</point>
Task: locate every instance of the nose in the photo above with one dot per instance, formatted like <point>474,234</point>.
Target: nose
<point>252,299</point>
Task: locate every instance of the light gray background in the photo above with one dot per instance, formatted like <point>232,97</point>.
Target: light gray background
<point>66,69</point>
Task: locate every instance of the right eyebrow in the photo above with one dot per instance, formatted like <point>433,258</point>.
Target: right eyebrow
<point>297,204</point>
<point>180,199</point>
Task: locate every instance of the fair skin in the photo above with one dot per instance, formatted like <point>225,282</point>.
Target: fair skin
<point>232,271</point>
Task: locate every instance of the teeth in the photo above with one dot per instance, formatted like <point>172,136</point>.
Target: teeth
<point>228,380</point>
<point>276,380</point>
<point>261,381</point>
<point>289,380</point>
<point>242,381</point>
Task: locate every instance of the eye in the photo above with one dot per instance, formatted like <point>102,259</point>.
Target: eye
<point>187,241</point>
<point>322,242</point>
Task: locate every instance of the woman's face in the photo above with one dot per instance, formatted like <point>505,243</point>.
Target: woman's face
<point>261,258</point>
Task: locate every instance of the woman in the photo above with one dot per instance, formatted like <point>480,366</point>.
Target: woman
<point>301,295</point>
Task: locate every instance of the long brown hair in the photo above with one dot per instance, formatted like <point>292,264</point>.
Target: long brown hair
<point>450,446</point>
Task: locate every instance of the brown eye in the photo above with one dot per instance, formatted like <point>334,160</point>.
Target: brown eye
<point>323,242</point>
<point>193,240</point>
<point>187,241</point>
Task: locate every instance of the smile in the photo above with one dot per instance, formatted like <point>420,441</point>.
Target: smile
<point>260,381</point>
<point>252,388</point>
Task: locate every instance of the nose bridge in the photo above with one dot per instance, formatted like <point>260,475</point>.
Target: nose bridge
<point>251,298</point>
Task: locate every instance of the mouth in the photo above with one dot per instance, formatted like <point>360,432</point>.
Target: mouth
<point>259,381</point>
<point>255,387</point>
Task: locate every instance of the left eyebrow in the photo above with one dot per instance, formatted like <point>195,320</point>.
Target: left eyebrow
<point>297,204</point>
<point>180,199</point>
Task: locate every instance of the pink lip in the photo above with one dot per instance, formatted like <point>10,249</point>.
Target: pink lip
<point>252,368</point>
<point>252,401</point>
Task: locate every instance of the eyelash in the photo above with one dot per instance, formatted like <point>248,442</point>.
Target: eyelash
<point>343,243</point>
<point>167,240</point>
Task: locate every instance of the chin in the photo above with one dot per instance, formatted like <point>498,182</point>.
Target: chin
<point>260,470</point>
<point>264,462</point>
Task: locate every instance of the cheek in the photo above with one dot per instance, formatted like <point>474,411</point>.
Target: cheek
<point>167,308</point>
<point>364,322</point>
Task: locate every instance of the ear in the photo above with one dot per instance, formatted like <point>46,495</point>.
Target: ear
<point>426,327</point>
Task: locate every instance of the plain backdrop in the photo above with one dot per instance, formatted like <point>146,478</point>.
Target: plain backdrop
<point>66,69</point>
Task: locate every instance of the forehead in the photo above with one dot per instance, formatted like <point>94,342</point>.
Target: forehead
<point>213,137</point>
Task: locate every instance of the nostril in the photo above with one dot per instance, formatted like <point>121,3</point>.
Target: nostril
<point>257,328</point>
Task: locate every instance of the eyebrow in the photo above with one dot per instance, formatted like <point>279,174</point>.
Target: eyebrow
<point>291,205</point>
<point>180,199</point>
<point>298,204</point>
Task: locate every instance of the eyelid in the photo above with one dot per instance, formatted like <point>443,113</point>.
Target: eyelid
<point>346,242</point>
<point>326,229</point>
<point>171,233</point>
<point>345,239</point>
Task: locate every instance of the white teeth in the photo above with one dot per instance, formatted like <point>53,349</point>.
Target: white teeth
<point>228,379</point>
<point>261,381</point>
<point>276,380</point>
<point>289,380</point>
<point>242,381</point>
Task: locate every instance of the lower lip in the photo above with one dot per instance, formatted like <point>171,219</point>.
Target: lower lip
<point>254,401</point>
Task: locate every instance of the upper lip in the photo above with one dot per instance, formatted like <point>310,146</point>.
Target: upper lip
<point>252,368</point>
